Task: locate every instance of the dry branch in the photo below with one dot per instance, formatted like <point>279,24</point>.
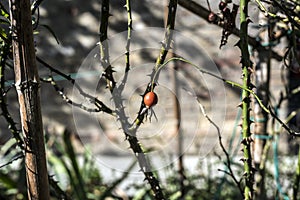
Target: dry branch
<point>204,13</point>
<point>28,89</point>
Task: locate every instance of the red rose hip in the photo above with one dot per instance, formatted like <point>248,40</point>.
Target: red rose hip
<point>150,99</point>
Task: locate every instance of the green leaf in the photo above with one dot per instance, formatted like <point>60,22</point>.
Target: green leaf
<point>175,196</point>
<point>4,21</point>
<point>139,195</point>
<point>3,33</point>
<point>4,13</point>
<point>7,181</point>
<point>80,189</point>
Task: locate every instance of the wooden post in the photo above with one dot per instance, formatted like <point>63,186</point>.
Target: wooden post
<point>262,74</point>
<point>28,86</point>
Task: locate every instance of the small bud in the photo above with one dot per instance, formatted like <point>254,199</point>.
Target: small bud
<point>212,17</point>
<point>222,5</point>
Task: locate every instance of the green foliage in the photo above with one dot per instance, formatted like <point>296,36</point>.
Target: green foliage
<point>75,175</point>
<point>199,185</point>
<point>67,167</point>
<point>82,180</point>
<point>4,21</point>
<point>12,172</point>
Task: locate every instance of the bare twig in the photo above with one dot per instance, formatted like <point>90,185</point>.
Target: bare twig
<point>15,158</point>
<point>35,6</point>
<point>60,91</point>
<point>58,192</point>
<point>99,104</point>
<point>129,130</point>
<point>288,129</point>
<point>108,190</point>
<point>234,84</point>
<point>228,160</point>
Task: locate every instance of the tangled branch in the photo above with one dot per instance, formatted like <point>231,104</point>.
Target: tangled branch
<point>100,106</point>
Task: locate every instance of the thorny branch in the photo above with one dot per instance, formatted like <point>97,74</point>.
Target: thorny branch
<point>3,102</point>
<point>12,125</point>
<point>246,101</point>
<point>202,12</point>
<point>15,158</point>
<point>60,91</point>
<point>127,52</point>
<point>233,84</point>
<point>130,129</point>
<point>165,47</point>
<point>104,48</point>
<point>160,62</point>
<point>27,86</point>
<point>228,23</point>
<point>129,30</point>
<point>100,106</point>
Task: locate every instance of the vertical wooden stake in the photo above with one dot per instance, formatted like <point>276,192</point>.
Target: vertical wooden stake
<point>28,86</point>
<point>263,76</point>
